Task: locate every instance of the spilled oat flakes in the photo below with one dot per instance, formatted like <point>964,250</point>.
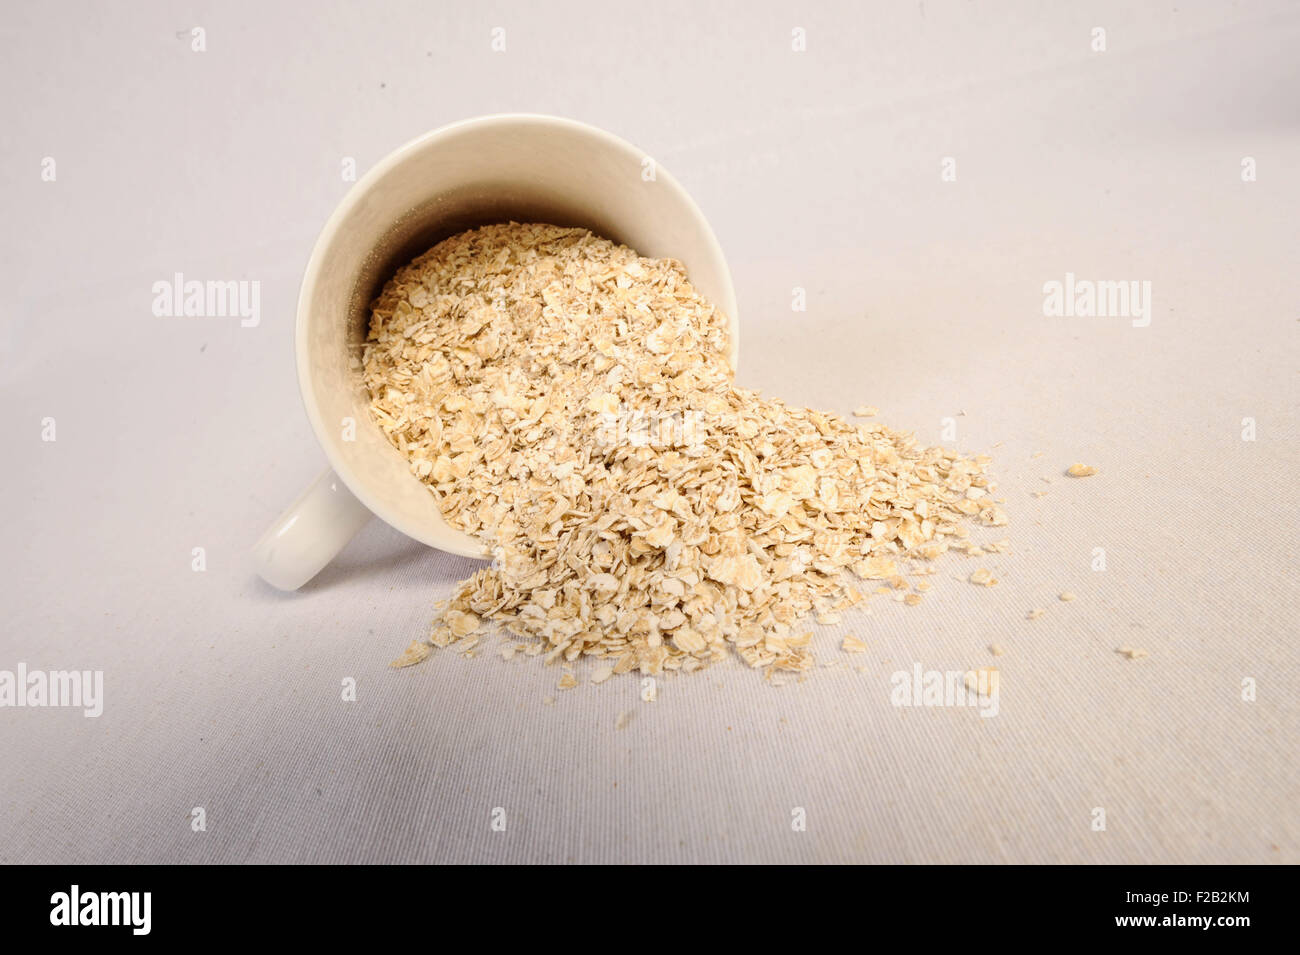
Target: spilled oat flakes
<point>571,404</point>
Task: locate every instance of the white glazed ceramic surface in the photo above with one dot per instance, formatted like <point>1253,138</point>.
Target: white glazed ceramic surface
<point>491,169</point>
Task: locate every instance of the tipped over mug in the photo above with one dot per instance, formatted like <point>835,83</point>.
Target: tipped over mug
<point>502,168</point>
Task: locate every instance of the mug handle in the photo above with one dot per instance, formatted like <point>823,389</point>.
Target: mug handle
<point>310,533</point>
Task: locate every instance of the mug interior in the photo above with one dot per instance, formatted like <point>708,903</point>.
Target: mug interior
<point>491,170</point>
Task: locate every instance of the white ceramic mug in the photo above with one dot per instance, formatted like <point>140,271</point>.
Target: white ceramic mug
<point>510,167</point>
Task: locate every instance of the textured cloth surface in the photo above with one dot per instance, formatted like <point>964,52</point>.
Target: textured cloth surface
<point>821,170</point>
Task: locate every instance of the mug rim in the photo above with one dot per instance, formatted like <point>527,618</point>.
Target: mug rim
<point>356,195</point>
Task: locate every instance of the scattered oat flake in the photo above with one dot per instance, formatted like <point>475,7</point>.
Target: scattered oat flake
<point>983,578</point>
<point>1133,653</point>
<point>412,655</point>
<point>623,719</point>
<point>567,681</point>
<point>853,645</point>
<point>865,411</point>
<point>1081,470</point>
<point>912,599</point>
<point>601,674</point>
<point>996,649</point>
<point>1067,596</point>
<point>984,680</point>
<point>1035,613</point>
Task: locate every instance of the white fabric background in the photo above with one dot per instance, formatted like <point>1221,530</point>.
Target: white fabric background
<point>818,170</point>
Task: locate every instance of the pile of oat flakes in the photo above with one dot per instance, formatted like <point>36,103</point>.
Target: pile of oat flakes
<point>571,404</point>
